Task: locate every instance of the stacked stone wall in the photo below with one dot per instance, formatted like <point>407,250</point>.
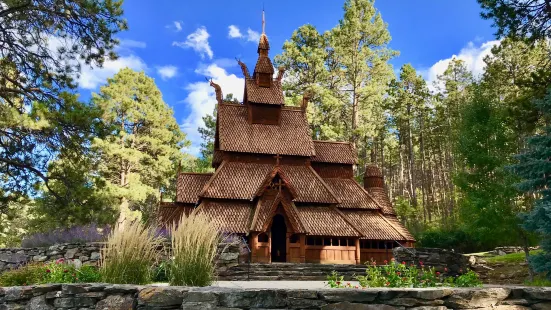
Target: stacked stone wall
<point>89,253</point>
<point>433,257</point>
<point>104,296</point>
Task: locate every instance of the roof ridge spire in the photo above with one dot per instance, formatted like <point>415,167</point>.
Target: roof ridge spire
<point>263,21</point>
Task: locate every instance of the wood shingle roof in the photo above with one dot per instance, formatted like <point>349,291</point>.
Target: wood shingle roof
<point>189,185</point>
<point>228,216</point>
<point>374,226</point>
<point>266,95</point>
<point>325,221</point>
<point>334,152</point>
<point>351,194</point>
<point>236,134</point>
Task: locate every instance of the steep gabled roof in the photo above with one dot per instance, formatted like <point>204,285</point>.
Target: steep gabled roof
<point>325,221</point>
<point>228,216</point>
<point>266,95</point>
<point>382,199</point>
<point>236,180</point>
<point>335,152</point>
<point>170,212</point>
<point>373,225</point>
<point>276,171</point>
<point>393,220</point>
<point>189,185</point>
<point>239,180</point>
<point>351,194</point>
<point>236,134</point>
<point>266,209</point>
<point>308,185</point>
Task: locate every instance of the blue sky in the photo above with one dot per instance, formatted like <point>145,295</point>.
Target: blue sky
<point>180,43</point>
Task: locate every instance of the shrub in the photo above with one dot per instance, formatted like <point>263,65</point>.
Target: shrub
<point>60,271</point>
<point>194,245</point>
<point>469,279</point>
<point>65,271</point>
<point>75,234</point>
<point>25,275</point>
<point>401,275</point>
<point>130,254</point>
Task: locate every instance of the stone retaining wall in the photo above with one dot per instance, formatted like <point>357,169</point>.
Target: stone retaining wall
<point>437,258</point>
<point>104,296</point>
<point>89,253</point>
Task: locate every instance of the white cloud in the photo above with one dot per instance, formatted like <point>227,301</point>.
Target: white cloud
<point>92,77</point>
<point>252,35</point>
<point>201,100</point>
<point>198,41</point>
<point>127,43</point>
<point>234,32</point>
<point>472,55</point>
<point>175,25</point>
<point>167,72</point>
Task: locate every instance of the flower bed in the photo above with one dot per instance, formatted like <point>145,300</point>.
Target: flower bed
<point>396,274</point>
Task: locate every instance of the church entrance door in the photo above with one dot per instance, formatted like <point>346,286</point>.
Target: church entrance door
<point>279,239</point>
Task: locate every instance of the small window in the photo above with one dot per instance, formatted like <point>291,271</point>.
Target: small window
<point>382,245</point>
<point>294,238</point>
<point>327,241</point>
<point>319,241</point>
<point>263,237</point>
<point>365,244</point>
<point>264,80</point>
<point>310,241</point>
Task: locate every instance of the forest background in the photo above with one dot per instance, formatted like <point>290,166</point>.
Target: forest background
<point>465,160</point>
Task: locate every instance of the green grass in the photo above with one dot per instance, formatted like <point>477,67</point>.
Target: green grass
<point>539,280</point>
<point>510,258</point>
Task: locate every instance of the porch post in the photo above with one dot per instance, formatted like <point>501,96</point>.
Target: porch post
<point>303,248</point>
<point>287,249</point>
<point>270,247</point>
<point>358,251</point>
<point>254,246</point>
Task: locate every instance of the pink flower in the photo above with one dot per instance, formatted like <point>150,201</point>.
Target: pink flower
<point>387,284</point>
<point>421,263</point>
<point>437,273</point>
<point>446,269</point>
<point>385,261</point>
<point>403,263</point>
<point>373,263</point>
<point>48,271</point>
<point>398,272</point>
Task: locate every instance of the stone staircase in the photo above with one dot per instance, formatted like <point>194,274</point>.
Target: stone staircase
<point>288,272</point>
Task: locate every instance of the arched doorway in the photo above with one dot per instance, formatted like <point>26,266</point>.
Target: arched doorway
<point>279,239</point>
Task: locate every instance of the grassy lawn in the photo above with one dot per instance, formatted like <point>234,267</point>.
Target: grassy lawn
<point>510,258</point>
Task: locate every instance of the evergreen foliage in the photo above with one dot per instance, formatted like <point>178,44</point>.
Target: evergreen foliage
<point>43,42</point>
<point>534,168</point>
<point>140,149</point>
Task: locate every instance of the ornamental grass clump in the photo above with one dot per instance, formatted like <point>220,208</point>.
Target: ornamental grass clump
<point>130,254</point>
<point>194,246</point>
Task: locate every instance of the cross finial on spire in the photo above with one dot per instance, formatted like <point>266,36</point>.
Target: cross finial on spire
<point>277,157</point>
<point>263,21</point>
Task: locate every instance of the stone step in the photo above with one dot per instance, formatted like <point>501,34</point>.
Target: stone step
<point>289,271</point>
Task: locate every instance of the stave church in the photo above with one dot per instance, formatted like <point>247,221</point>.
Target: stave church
<point>294,199</point>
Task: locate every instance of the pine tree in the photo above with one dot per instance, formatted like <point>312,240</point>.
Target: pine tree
<point>43,45</point>
<point>488,206</point>
<point>141,150</point>
<point>360,45</point>
<point>534,168</point>
<point>519,18</point>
